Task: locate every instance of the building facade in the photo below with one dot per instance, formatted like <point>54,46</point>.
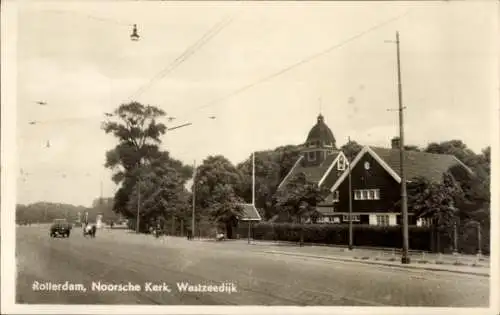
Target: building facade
<point>375,178</point>
<point>376,183</point>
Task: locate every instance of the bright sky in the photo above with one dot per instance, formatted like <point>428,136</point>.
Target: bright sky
<point>78,58</point>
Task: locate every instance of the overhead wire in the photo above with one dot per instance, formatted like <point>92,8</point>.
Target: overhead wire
<point>213,31</point>
<point>299,63</point>
<point>101,19</point>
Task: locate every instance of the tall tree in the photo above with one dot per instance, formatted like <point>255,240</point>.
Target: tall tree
<point>476,202</point>
<point>216,182</point>
<point>162,195</point>
<point>435,201</point>
<point>138,131</point>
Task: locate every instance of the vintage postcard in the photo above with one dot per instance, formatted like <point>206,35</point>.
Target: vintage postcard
<point>250,157</point>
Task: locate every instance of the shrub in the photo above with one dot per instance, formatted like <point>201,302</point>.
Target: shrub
<point>338,234</point>
<point>420,238</point>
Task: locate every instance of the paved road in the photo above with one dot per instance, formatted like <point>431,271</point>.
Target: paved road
<point>117,256</point>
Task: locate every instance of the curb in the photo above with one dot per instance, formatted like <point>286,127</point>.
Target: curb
<point>381,263</point>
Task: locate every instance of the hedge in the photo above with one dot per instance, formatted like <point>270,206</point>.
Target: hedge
<point>420,238</point>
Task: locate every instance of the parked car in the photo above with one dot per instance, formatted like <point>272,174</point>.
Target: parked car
<point>60,227</point>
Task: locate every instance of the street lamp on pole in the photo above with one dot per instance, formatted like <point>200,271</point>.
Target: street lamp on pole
<point>350,200</point>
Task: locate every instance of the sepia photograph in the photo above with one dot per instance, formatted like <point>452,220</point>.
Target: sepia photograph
<point>306,156</point>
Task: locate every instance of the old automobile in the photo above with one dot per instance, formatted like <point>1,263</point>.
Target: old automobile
<point>60,227</point>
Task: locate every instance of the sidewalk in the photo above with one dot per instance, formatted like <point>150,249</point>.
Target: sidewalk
<point>466,264</point>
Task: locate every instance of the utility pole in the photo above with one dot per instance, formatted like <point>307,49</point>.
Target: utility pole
<point>253,195</point>
<point>194,199</point>
<point>405,259</point>
<point>138,205</point>
<point>350,200</point>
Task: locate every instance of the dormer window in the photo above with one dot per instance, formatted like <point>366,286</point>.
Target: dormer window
<point>311,156</point>
<point>341,164</point>
<point>336,196</point>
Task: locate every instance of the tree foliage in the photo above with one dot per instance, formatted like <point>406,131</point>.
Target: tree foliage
<point>267,179</point>
<point>216,183</point>
<point>45,212</point>
<point>435,201</point>
<point>162,194</point>
<point>475,204</point>
<point>138,132</point>
<point>351,149</point>
<point>300,197</point>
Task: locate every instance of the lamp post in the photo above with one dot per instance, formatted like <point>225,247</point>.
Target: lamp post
<point>253,196</point>
<point>138,205</point>
<point>479,240</point>
<point>350,201</point>
<point>194,201</point>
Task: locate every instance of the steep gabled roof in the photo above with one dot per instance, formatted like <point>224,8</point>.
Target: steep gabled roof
<point>417,164</point>
<point>250,213</point>
<point>325,210</point>
<point>313,173</point>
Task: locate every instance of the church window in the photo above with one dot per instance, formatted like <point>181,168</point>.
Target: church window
<point>311,156</point>
<point>355,218</point>
<point>367,194</point>
<point>336,196</point>
<point>341,164</point>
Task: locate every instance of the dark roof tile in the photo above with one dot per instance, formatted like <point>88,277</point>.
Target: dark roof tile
<point>419,164</point>
<point>250,213</point>
<point>314,173</point>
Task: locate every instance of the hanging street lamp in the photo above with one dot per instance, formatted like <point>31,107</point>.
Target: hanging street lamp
<point>134,36</point>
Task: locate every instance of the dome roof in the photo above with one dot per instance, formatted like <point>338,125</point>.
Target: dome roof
<point>321,132</point>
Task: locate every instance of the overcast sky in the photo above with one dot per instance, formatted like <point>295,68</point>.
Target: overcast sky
<point>78,58</point>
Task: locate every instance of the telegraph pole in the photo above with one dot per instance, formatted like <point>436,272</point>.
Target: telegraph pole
<point>138,205</point>
<point>194,200</point>
<point>350,200</point>
<point>253,195</point>
<point>405,259</point>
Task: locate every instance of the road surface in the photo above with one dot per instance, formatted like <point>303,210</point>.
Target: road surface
<point>121,257</point>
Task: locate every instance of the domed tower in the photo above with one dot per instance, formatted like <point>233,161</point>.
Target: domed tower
<point>320,143</point>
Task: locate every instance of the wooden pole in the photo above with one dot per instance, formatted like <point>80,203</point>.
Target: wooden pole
<point>350,202</point>
<point>479,240</point>
<point>138,205</point>
<point>194,201</point>
<point>405,259</point>
<point>249,231</point>
<point>253,178</point>
<point>173,225</point>
<point>455,238</point>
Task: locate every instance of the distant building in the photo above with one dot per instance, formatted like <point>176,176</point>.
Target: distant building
<point>376,183</point>
<point>249,215</point>
<point>321,163</point>
<point>375,178</point>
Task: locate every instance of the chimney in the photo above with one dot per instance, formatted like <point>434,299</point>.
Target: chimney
<point>395,143</point>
